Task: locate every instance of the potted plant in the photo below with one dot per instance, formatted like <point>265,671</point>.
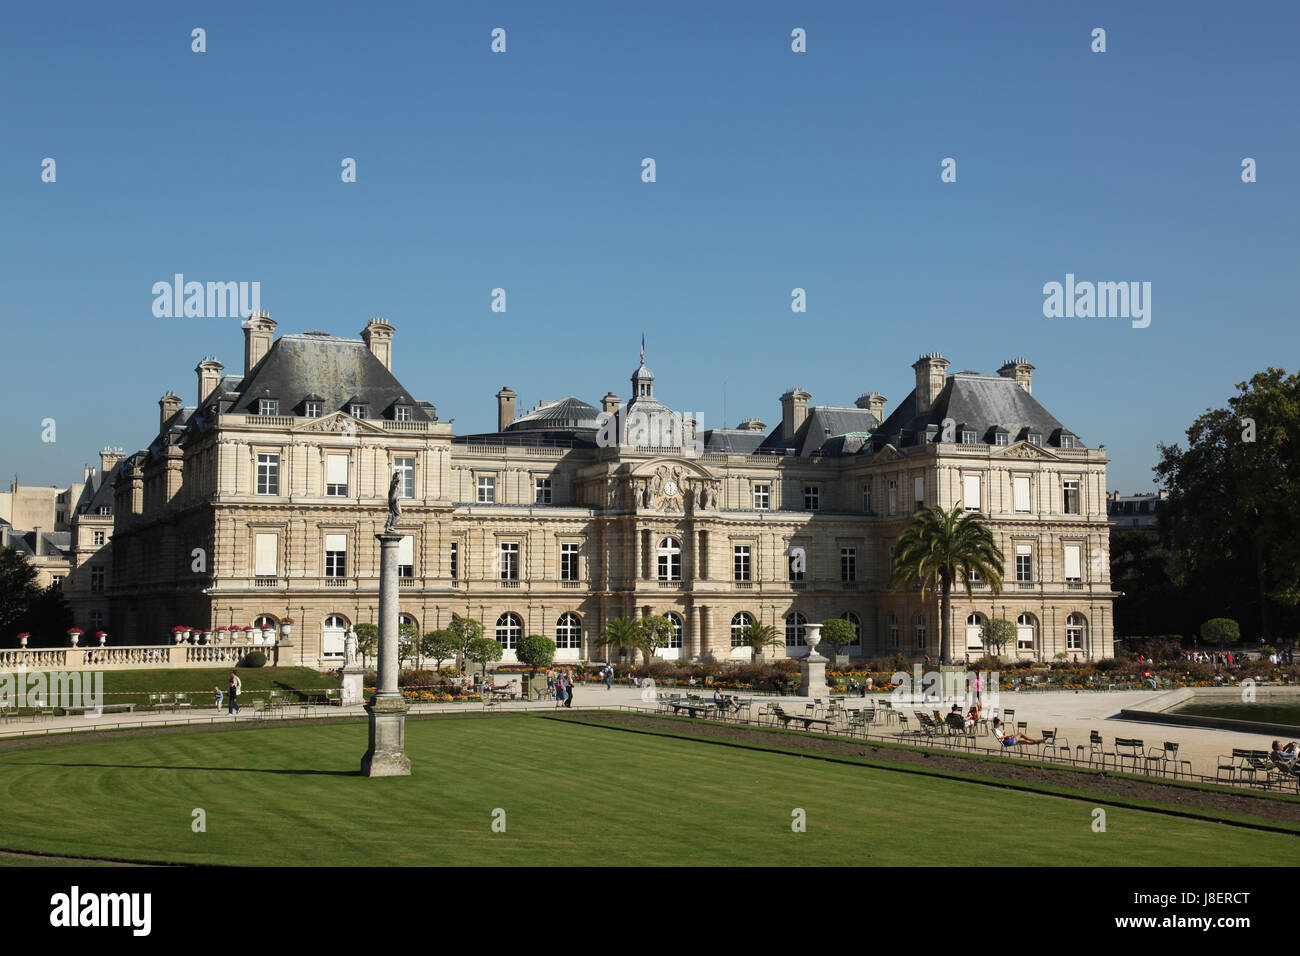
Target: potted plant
<point>74,635</point>
<point>103,637</point>
<point>22,639</point>
<point>178,634</point>
<point>286,626</point>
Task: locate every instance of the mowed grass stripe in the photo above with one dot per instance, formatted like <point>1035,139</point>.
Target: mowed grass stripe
<point>572,795</point>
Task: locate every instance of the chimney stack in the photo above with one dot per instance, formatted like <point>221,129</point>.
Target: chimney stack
<point>753,425</point>
<point>931,375</point>
<point>1021,371</point>
<point>259,332</point>
<point>794,409</point>
<point>378,336</point>
<point>609,404</point>
<point>873,402</point>
<point>108,459</point>
<point>209,372</point>
<point>505,407</point>
<point>168,406</point>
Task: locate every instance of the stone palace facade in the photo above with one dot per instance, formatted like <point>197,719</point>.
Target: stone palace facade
<point>262,500</point>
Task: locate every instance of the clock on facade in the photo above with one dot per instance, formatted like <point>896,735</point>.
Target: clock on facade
<point>670,488</point>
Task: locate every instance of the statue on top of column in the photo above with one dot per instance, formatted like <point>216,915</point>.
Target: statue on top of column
<point>394,503</point>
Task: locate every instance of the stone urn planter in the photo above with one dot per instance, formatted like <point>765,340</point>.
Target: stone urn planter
<point>103,638</point>
<point>75,637</point>
<point>286,627</point>
<point>207,637</point>
<point>268,635</point>
<point>22,640</point>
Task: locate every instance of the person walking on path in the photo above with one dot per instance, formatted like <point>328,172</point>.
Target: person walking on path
<point>568,689</point>
<point>559,689</point>
<point>236,685</point>
<point>217,695</point>
<point>609,677</point>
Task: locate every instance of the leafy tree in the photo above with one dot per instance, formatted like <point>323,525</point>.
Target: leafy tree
<point>440,645</point>
<point>657,632</point>
<point>997,633</point>
<point>367,641</point>
<point>466,630</point>
<point>47,618</point>
<point>623,632</point>
<point>939,547</point>
<point>758,636</point>
<point>18,590</point>
<point>408,639</point>
<point>1220,630</point>
<point>839,633</point>
<point>1233,514</point>
<point>535,650</point>
<point>483,651</point>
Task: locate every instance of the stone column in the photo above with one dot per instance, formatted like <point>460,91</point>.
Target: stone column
<point>387,709</point>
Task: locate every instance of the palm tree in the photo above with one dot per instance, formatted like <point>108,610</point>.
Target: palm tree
<point>938,547</point>
<point>625,632</point>
<point>759,636</point>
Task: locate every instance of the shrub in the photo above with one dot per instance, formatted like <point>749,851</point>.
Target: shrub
<point>253,659</point>
<point>1220,630</point>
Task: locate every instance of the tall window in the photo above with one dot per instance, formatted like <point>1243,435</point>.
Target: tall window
<point>892,496</point>
<point>336,475</point>
<point>453,561</point>
<point>741,562</point>
<point>266,554</point>
<point>919,630</point>
<point>918,493</point>
<point>796,630</point>
<point>975,632</point>
<point>406,557</point>
<point>971,492</point>
<point>98,537</point>
<point>1020,493</point>
<point>568,562</point>
<point>96,620</point>
<point>1075,626</point>
<point>1024,564</point>
<point>332,633</point>
<point>848,564</point>
<point>738,624</point>
<point>1025,632</point>
<point>268,474</point>
<point>812,497</point>
<point>56,581</point>
<point>675,639</point>
<point>509,629</point>
<point>336,555</point>
<point>405,468</point>
<point>762,497</point>
<point>1072,496</point>
<point>96,578</point>
<point>1073,569</point>
<point>866,498</point>
<point>891,627</point>
<point>670,559</point>
<point>509,560</point>
<point>798,561</point>
<point>542,491</point>
<point>568,632</point>
<point>487,489</point>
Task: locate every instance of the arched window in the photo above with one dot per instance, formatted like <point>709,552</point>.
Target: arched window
<point>568,632</point>
<point>975,632</point>
<point>796,630</point>
<point>670,559</point>
<point>1026,627</point>
<point>675,642</point>
<point>509,629</point>
<point>1076,627</point>
<point>892,627</point>
<point>919,630</point>
<point>738,625</point>
<point>264,620</point>
<point>857,627</point>
<point>332,631</point>
<point>408,622</point>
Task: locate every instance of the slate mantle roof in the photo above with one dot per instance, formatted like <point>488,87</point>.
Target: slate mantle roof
<point>568,412</point>
<point>978,402</point>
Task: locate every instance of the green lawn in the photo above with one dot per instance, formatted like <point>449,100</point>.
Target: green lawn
<point>572,794</point>
<point>136,685</point>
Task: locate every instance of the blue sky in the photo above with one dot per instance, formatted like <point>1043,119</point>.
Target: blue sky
<point>523,171</point>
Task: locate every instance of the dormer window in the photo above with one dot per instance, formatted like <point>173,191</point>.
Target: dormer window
<point>357,410</point>
<point>268,406</point>
<point>967,436</point>
<point>1068,441</point>
<point>313,409</point>
<point>1036,439</point>
<point>999,438</point>
<point>401,413</point>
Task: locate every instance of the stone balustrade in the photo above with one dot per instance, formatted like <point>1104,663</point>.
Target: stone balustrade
<point>132,656</point>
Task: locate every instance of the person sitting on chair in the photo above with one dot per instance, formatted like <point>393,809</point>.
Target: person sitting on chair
<point>1287,754</point>
<point>723,701</point>
<point>972,718</point>
<point>1007,739</point>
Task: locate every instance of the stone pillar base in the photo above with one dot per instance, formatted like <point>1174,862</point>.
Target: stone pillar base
<point>812,676</point>
<point>350,684</point>
<point>387,754</point>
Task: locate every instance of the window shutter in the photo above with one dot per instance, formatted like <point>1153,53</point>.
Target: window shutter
<point>1021,492</point>
<point>972,492</point>
<point>406,550</point>
<point>1023,549</point>
<point>265,561</point>
<point>336,469</point>
<point>1072,561</point>
<point>336,542</point>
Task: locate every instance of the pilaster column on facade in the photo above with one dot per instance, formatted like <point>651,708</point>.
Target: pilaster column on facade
<point>692,637</point>
<point>635,570</point>
<point>706,630</point>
